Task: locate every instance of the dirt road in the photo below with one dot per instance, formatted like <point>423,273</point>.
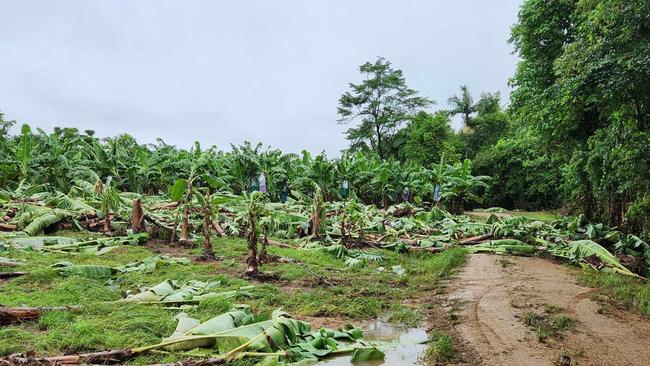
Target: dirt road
<point>492,295</point>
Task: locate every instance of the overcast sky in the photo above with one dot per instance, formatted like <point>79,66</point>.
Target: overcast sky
<point>223,72</point>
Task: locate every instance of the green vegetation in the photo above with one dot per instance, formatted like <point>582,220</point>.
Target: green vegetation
<point>100,323</point>
<point>621,290</point>
<point>94,231</point>
<point>405,316</point>
<point>547,326</point>
<point>440,349</point>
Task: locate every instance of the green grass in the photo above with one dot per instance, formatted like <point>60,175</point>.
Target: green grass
<point>440,349</point>
<point>405,316</point>
<point>505,262</point>
<point>537,215</point>
<point>622,290</point>
<point>546,326</point>
<point>552,309</point>
<point>312,284</point>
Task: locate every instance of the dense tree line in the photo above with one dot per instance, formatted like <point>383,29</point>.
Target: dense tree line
<point>576,134</point>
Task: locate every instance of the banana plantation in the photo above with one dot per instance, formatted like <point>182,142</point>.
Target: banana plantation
<point>212,257</point>
<point>508,229</point>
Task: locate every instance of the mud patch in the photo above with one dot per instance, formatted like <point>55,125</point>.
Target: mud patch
<point>402,346</point>
<point>495,299</point>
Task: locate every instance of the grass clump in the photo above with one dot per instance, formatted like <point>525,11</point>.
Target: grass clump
<point>441,349</point>
<point>545,326</point>
<point>505,262</point>
<point>405,316</point>
<point>552,309</point>
<point>624,290</point>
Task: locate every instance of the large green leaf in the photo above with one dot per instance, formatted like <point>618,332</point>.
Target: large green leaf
<point>581,249</point>
<point>367,354</point>
<point>178,190</point>
<point>503,246</point>
<point>42,222</point>
<point>96,271</point>
<point>86,270</point>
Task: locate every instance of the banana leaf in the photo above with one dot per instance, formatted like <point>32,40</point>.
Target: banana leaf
<point>580,249</point>
<point>34,242</point>
<point>150,264</point>
<point>234,334</point>
<point>169,292</point>
<point>44,221</point>
<point>367,354</point>
<point>86,270</point>
<point>64,244</point>
<point>101,272</point>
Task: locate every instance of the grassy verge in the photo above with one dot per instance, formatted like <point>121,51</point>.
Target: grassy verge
<point>310,283</point>
<point>623,290</point>
<point>440,349</point>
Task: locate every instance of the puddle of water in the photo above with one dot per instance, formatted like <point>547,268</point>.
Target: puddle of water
<point>404,351</point>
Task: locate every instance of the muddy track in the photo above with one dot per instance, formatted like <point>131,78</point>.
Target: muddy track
<point>494,297</point>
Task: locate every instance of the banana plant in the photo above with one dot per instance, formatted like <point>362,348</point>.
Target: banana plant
<point>462,187</point>
<point>255,211</point>
<point>109,199</point>
<point>24,150</point>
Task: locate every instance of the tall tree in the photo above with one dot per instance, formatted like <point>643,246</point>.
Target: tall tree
<point>429,138</point>
<point>381,103</point>
<point>463,104</point>
<point>489,124</point>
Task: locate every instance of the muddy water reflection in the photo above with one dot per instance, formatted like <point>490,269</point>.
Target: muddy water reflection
<point>404,350</point>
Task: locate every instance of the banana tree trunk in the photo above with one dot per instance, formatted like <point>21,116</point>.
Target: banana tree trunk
<point>207,244</point>
<point>137,216</point>
<point>315,223</point>
<point>186,224</point>
<point>107,223</point>
<point>264,253</point>
<point>251,260</point>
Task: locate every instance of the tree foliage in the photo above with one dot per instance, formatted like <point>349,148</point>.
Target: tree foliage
<point>583,87</point>
<point>381,103</point>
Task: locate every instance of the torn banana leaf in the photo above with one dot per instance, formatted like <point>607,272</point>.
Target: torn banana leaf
<point>150,264</point>
<point>235,334</point>
<point>581,249</point>
<point>86,270</point>
<point>367,354</point>
<point>353,258</point>
<point>64,244</point>
<point>97,271</point>
<point>169,292</point>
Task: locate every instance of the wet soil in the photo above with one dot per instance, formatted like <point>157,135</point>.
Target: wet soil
<point>402,346</point>
<point>490,297</point>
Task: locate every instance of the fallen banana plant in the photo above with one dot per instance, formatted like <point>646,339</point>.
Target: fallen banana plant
<point>8,262</point>
<point>146,265</point>
<point>592,254</point>
<point>232,336</point>
<point>352,257</point>
<point>11,315</point>
<point>62,244</point>
<point>165,293</point>
<point>191,292</point>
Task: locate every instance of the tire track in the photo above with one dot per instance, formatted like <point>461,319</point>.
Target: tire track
<point>495,298</point>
